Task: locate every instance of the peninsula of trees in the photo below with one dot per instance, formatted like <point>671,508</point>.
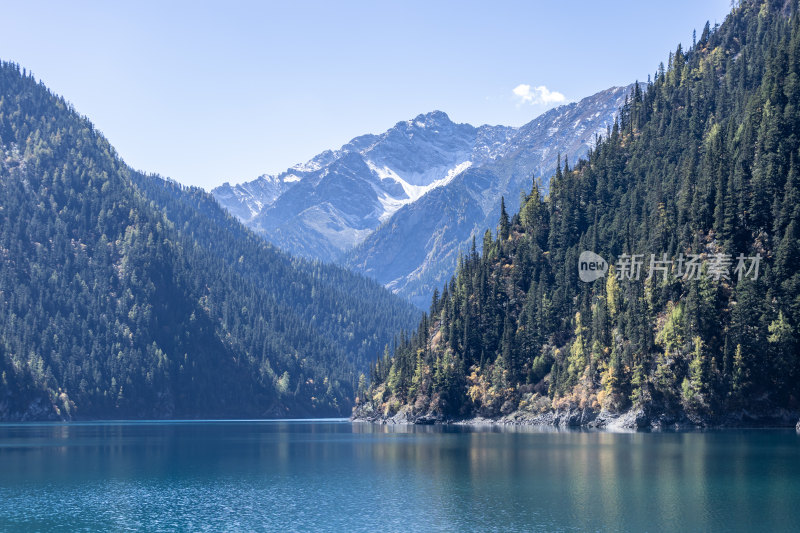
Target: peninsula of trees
<point>702,163</point>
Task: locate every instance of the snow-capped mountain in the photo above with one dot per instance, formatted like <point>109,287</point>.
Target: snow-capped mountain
<point>398,206</point>
<point>417,250</point>
<point>325,207</point>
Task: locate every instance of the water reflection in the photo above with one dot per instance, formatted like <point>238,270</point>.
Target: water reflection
<point>342,476</point>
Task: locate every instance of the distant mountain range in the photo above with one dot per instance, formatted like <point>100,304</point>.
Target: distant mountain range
<point>400,205</point>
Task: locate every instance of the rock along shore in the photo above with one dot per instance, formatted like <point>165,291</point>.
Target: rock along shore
<point>633,419</point>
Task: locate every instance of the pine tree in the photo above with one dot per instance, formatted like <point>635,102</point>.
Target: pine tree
<point>505,226</point>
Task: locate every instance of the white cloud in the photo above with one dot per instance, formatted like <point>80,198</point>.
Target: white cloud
<point>537,95</point>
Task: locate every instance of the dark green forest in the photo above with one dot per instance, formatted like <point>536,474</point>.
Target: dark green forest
<point>703,161</point>
<point>125,295</point>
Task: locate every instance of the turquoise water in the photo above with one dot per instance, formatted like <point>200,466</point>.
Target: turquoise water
<point>338,476</point>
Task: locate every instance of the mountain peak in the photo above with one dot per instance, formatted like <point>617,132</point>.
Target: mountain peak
<point>327,206</point>
<point>432,118</point>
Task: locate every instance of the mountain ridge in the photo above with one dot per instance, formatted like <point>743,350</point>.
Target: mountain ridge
<point>471,203</point>
<point>342,199</point>
<point>124,295</point>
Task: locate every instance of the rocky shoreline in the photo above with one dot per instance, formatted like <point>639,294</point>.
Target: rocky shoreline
<point>633,419</point>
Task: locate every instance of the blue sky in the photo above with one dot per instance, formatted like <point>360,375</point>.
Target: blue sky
<point>207,92</point>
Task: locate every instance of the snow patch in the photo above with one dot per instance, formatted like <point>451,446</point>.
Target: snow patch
<point>391,204</point>
<point>308,166</point>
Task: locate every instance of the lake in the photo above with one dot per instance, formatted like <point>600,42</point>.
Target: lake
<point>342,476</point>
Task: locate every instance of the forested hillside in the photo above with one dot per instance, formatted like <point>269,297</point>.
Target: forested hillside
<point>129,296</point>
<point>701,170</point>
